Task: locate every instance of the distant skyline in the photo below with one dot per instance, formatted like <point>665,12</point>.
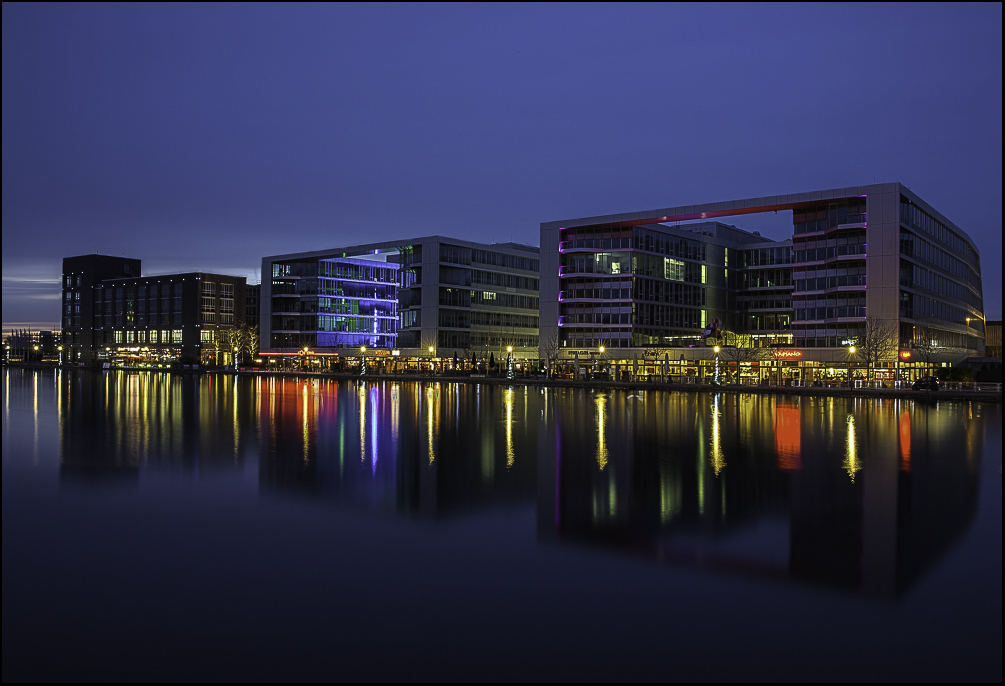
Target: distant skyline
<point>203,137</point>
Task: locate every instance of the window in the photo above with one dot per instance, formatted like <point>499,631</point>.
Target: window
<point>176,336</point>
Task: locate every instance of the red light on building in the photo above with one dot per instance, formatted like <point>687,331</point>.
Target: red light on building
<point>905,355</point>
<point>788,354</point>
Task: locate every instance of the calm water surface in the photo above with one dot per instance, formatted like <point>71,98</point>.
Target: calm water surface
<point>202,527</point>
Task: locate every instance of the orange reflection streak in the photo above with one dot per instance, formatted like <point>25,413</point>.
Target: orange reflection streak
<point>788,437</point>
<point>904,427</point>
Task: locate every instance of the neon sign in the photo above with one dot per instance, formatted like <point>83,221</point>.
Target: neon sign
<point>788,354</point>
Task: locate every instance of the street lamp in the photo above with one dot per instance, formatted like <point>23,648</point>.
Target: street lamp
<point>60,348</point>
<point>715,379</point>
<point>362,364</point>
<point>851,352</point>
<point>432,365</point>
<point>509,362</point>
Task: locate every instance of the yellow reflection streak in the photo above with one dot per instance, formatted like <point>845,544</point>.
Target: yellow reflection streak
<point>602,455</point>
<point>852,463</point>
<point>429,424</point>
<point>508,402</point>
<point>362,423</point>
<point>306,429</point>
<point>717,458</point>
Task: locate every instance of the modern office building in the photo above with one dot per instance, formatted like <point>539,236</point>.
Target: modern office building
<point>858,258</point>
<point>111,313</point>
<point>421,297</point>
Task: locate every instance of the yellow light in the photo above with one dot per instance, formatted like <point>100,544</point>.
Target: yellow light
<point>430,350</point>
<point>852,350</point>
<point>602,349</point>
<point>362,348</point>
<point>716,349</point>
<point>509,348</point>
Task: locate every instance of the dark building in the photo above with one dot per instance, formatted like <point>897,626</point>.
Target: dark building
<point>80,275</point>
<point>252,306</point>
<point>112,314</point>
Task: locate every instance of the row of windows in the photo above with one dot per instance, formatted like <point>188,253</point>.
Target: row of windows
<point>482,278</point>
<point>503,319</point>
<point>626,263</point>
<point>497,259</point>
<point>912,215</point>
<point>916,276</point>
<point>823,283</point>
<point>211,318</point>
<point>356,289</point>
<point>359,270</point>
<point>765,278</point>
<point>351,324</point>
<point>768,322</point>
<point>644,239</point>
<point>819,254</point>
<point>820,313</point>
<point>524,302</point>
<point>918,248</point>
<point>778,302</point>
<point>143,336</point>
<point>914,306</point>
<point>827,216</point>
<point>761,257</point>
<point>489,340</point>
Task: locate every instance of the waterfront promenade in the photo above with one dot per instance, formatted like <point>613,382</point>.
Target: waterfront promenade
<point>951,390</point>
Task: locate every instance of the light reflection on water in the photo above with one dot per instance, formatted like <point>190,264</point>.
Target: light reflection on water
<point>858,494</point>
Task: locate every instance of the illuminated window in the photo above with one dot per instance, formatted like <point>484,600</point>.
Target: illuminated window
<point>673,270</point>
<point>118,337</point>
<point>176,336</point>
<point>206,336</point>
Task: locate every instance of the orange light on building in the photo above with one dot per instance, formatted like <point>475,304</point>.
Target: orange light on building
<point>788,354</point>
<point>905,355</point>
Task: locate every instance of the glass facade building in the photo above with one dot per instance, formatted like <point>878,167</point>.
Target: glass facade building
<point>416,296</point>
<point>857,258</point>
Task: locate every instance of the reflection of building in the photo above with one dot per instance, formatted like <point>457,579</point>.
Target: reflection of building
<point>639,281</point>
<point>425,449</point>
<point>446,294</point>
<point>112,313</point>
<point>848,494</point>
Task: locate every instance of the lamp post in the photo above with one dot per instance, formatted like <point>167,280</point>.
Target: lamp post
<point>851,353</point>
<point>509,362</point>
<point>432,364</point>
<point>362,363</point>
<point>60,348</point>
<point>715,379</point>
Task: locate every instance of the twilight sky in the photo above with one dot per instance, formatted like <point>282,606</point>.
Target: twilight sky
<point>202,137</point>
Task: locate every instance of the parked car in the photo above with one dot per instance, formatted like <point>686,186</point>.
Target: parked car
<point>927,383</point>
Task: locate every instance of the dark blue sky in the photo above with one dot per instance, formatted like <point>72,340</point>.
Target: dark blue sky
<point>202,137</point>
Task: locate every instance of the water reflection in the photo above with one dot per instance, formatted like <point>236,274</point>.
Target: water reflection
<point>843,492</point>
<point>854,493</point>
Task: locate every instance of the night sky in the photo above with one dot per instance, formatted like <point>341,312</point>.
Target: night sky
<point>202,137</point>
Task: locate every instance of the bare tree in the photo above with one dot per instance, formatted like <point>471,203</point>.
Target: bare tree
<point>741,348</point>
<point>549,348</point>
<point>239,341</point>
<point>253,340</point>
<point>877,342</point>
